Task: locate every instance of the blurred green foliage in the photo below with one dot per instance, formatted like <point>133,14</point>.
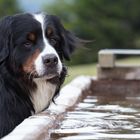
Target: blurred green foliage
<point>8,7</point>
<point>111,23</point>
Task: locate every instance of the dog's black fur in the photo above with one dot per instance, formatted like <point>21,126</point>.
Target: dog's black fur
<point>15,86</point>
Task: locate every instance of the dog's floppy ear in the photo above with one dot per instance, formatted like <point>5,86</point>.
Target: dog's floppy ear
<point>5,37</point>
<point>70,42</point>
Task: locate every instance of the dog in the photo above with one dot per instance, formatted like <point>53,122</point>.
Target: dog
<point>32,52</point>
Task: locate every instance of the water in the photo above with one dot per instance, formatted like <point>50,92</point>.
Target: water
<point>101,118</point>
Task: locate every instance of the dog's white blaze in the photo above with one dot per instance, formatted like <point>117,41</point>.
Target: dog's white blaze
<point>43,95</point>
<point>48,49</point>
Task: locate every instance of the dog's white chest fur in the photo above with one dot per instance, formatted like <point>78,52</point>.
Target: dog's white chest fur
<point>43,94</point>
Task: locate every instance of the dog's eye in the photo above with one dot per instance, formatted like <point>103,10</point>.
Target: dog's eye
<point>53,41</point>
<point>27,44</point>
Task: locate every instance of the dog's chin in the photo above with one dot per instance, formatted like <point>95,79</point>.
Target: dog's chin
<point>47,76</point>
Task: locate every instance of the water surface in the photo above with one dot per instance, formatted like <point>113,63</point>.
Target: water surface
<point>101,118</point>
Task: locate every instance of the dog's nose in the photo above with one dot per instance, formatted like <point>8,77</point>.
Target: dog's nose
<point>50,60</point>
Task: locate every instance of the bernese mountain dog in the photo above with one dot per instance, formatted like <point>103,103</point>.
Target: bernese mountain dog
<point>32,50</point>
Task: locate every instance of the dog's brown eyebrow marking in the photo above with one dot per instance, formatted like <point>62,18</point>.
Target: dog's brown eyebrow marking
<point>31,36</point>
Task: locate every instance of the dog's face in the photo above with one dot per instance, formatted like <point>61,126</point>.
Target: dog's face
<point>35,44</point>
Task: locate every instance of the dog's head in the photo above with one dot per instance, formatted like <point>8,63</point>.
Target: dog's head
<point>35,44</point>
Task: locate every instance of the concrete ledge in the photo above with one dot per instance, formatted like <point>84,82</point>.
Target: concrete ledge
<point>38,127</point>
<point>107,57</point>
<point>108,69</point>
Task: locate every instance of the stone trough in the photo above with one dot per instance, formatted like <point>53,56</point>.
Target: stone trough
<point>111,79</point>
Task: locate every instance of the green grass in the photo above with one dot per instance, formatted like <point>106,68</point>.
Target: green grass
<point>129,61</point>
<point>90,69</point>
<point>75,71</point>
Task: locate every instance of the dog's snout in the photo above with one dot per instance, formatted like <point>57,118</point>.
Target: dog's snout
<point>50,60</point>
